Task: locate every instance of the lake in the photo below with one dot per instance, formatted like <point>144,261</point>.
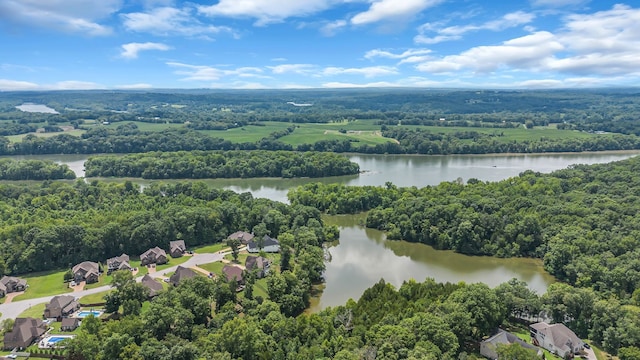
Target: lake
<point>362,256</point>
<point>36,108</point>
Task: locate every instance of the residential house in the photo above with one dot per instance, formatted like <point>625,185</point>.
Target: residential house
<point>233,273</point>
<point>177,248</point>
<point>153,256</point>
<point>267,244</point>
<point>69,324</point>
<point>243,236</point>
<point>154,286</point>
<point>9,284</point>
<point>181,273</point>
<point>61,306</point>
<point>258,263</point>
<point>488,348</point>
<point>87,271</point>
<point>24,332</point>
<point>557,338</point>
<point>118,263</point>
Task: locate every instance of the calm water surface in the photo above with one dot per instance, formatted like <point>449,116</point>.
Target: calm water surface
<point>362,256</point>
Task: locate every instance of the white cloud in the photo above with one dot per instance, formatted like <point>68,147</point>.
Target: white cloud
<point>131,50</point>
<point>77,16</point>
<point>330,29</point>
<point>354,85</point>
<point>370,71</point>
<point>75,85</point>
<point>169,21</point>
<point>301,69</point>
<point>10,85</point>
<point>134,86</point>
<point>600,48</point>
<point>557,3</point>
<point>529,51</point>
<point>266,11</point>
<point>455,32</point>
<point>384,10</point>
<point>210,73</point>
<point>387,54</point>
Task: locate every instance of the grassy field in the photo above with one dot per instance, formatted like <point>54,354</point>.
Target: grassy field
<point>173,262</point>
<point>36,311</point>
<point>517,134</point>
<point>94,298</point>
<point>214,267</point>
<point>44,284</point>
<point>367,132</point>
<point>18,138</point>
<point>213,248</point>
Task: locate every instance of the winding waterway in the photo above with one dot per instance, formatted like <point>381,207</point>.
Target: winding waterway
<point>362,256</point>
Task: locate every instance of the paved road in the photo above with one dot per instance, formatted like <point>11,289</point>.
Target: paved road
<point>15,308</point>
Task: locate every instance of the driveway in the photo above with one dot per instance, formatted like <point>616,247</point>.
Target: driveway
<point>13,309</point>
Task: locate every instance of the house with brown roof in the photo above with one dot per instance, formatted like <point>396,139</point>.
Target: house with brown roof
<point>9,284</point>
<point>154,256</point>
<point>69,324</point>
<point>233,273</point>
<point>61,306</point>
<point>243,236</point>
<point>489,347</point>
<point>258,263</point>
<point>154,286</point>
<point>557,338</point>
<point>118,263</point>
<point>177,248</point>
<point>87,271</point>
<point>181,273</point>
<point>24,332</point>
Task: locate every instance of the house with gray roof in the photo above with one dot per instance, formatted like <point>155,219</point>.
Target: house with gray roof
<point>243,236</point>
<point>258,263</point>
<point>69,324</point>
<point>9,284</point>
<point>154,286</point>
<point>87,271</point>
<point>61,306</point>
<point>557,338</point>
<point>177,248</point>
<point>267,244</point>
<point>24,332</point>
<point>181,273</point>
<point>154,256</point>
<point>489,347</point>
<point>118,263</point>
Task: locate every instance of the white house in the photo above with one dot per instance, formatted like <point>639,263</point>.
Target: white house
<point>557,338</point>
<point>268,245</point>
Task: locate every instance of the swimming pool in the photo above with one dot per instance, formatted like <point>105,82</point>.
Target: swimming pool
<point>52,341</point>
<point>84,313</point>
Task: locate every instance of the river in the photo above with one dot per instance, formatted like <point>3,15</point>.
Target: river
<point>362,256</point>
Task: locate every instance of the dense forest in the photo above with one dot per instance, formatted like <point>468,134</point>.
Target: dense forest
<point>34,170</point>
<point>419,320</point>
<point>52,225</point>
<point>228,164</point>
<point>582,220</point>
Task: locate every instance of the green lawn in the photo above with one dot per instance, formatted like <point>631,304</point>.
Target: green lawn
<point>36,311</point>
<point>44,284</point>
<point>94,298</point>
<point>213,248</point>
<point>173,262</point>
<point>214,267</point>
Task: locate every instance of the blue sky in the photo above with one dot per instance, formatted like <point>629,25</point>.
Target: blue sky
<point>138,44</point>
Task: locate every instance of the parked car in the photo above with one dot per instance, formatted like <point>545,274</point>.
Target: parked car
<point>587,346</point>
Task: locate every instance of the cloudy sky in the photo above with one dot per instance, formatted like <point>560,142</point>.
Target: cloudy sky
<point>137,44</point>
